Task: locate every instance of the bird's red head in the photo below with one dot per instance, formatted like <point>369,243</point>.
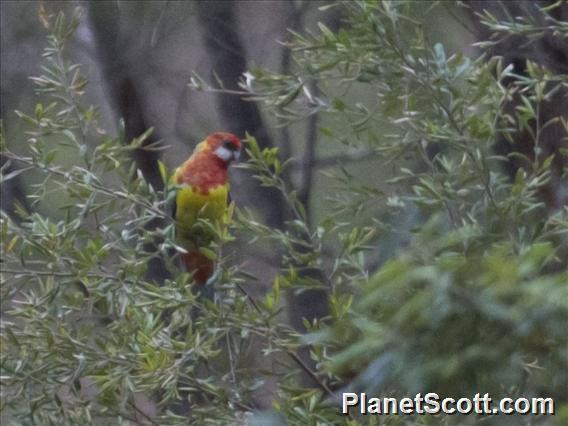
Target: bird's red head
<point>226,146</point>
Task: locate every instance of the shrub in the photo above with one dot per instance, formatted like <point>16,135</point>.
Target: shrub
<point>474,299</point>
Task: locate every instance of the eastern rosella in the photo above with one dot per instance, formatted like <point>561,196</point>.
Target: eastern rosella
<point>203,193</point>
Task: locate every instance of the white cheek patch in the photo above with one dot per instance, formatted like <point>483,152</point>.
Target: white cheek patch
<point>223,153</point>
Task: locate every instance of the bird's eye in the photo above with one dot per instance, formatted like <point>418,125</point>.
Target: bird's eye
<point>229,145</point>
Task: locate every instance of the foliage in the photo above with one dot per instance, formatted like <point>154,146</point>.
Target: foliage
<point>476,301</point>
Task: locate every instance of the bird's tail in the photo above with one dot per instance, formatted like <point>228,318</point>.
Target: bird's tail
<point>199,265</point>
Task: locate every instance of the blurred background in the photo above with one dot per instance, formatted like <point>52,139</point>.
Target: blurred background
<point>140,58</point>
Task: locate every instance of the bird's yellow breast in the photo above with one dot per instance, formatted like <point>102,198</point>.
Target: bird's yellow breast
<point>192,205</point>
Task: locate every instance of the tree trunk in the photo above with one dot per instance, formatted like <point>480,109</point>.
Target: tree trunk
<point>124,98</point>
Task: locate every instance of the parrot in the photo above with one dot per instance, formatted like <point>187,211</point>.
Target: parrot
<point>202,192</point>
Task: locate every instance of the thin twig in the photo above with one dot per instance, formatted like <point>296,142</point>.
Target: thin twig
<point>294,22</point>
<point>139,411</point>
<point>231,360</point>
<point>96,187</point>
<point>334,160</point>
<point>309,159</point>
<point>291,354</point>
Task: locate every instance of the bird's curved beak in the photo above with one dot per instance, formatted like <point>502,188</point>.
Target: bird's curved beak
<point>236,155</point>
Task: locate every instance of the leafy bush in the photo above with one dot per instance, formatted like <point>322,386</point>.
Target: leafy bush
<point>475,300</point>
